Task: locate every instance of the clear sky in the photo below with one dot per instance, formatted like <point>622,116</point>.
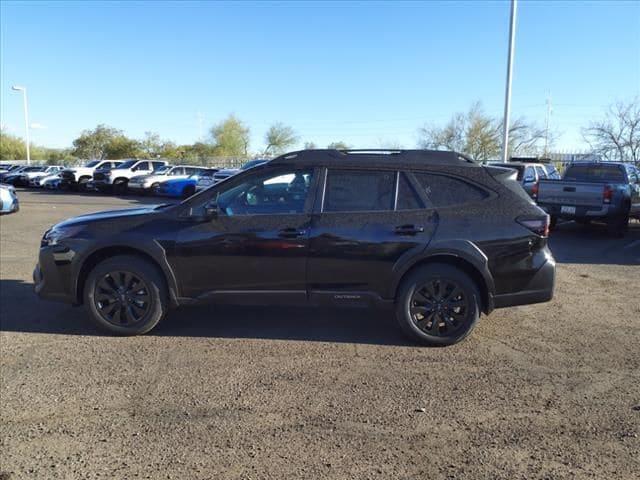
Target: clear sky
<point>368,73</point>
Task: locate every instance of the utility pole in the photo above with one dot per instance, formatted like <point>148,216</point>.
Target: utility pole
<point>546,125</point>
<point>200,118</point>
<point>17,88</point>
<point>507,94</point>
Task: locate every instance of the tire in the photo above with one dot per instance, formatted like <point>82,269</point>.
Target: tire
<point>82,184</point>
<point>618,225</point>
<point>120,186</point>
<point>463,317</point>
<point>553,221</point>
<point>126,312</point>
<point>188,191</point>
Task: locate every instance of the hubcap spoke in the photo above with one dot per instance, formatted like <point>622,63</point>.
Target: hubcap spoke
<point>121,298</point>
<point>439,307</point>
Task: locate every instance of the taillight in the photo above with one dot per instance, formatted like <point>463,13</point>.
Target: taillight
<point>538,225</point>
<point>536,187</point>
<point>607,194</point>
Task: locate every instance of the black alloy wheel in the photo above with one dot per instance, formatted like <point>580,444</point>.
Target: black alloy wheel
<point>439,307</point>
<point>126,295</point>
<point>122,298</point>
<point>438,304</point>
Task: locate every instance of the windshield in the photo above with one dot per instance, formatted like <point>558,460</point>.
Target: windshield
<point>207,173</point>
<point>33,169</point>
<point>126,164</point>
<point>162,170</point>
<point>92,163</point>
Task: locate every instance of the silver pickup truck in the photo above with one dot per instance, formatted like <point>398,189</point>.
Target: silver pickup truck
<point>594,191</point>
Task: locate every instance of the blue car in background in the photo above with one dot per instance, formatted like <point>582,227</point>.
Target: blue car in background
<point>180,187</point>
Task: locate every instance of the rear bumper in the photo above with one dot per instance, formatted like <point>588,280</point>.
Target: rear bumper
<point>538,290</point>
<point>589,211</point>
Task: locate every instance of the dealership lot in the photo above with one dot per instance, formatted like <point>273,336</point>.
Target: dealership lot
<point>543,391</point>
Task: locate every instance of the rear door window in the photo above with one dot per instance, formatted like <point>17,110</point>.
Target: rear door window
<point>445,191</point>
<point>408,198</point>
<point>542,173</point>
<point>358,190</point>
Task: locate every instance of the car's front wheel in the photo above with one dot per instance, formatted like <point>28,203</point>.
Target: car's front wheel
<point>438,305</point>
<point>126,295</point>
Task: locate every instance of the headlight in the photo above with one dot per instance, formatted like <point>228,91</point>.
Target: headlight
<point>55,234</point>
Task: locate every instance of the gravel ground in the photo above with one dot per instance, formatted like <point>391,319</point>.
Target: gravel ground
<point>543,391</point>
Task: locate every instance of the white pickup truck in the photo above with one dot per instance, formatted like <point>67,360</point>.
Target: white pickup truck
<point>117,179</point>
<point>77,178</point>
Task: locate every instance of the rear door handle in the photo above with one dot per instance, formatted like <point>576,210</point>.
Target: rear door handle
<point>291,233</point>
<point>408,230</point>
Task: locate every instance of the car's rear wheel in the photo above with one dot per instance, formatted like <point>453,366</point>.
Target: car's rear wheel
<point>120,186</point>
<point>188,191</point>
<point>618,225</point>
<point>126,295</point>
<point>438,305</point>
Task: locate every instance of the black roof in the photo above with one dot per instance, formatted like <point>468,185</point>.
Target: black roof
<point>374,157</point>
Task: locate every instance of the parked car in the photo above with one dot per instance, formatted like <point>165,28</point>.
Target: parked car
<point>47,181</point>
<point>8,199</point>
<point>5,167</point>
<point>22,178</point>
<point>431,234</point>
<point>117,179</point>
<point>13,170</point>
<point>77,178</point>
<point>180,187</point>
<point>145,183</point>
<point>530,174</point>
<point>594,191</point>
<point>205,181</point>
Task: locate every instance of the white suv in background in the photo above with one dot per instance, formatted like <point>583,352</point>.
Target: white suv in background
<point>117,178</point>
<point>145,183</point>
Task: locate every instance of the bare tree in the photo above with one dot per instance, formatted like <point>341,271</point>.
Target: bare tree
<point>479,135</point>
<point>617,135</point>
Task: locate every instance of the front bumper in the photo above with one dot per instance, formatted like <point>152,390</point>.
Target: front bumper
<point>539,289</point>
<point>52,275</point>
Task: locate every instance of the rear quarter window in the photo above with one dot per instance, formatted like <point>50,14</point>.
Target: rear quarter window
<point>446,191</point>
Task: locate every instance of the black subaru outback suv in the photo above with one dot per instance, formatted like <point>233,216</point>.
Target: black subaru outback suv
<point>430,233</point>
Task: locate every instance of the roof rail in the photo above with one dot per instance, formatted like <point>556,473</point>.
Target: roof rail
<point>411,156</point>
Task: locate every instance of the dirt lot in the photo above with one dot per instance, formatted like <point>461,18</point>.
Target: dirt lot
<point>544,391</point>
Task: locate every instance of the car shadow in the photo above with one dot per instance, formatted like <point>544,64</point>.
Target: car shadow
<point>591,244</point>
<point>22,311</point>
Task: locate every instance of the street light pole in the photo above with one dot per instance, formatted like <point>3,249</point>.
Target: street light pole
<point>18,88</point>
<point>507,94</point>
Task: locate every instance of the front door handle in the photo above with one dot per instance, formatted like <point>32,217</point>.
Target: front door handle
<point>291,233</point>
<point>408,230</point>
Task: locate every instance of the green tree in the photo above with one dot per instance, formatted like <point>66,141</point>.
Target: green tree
<point>11,147</point>
<point>231,137</point>
<point>279,138</point>
<point>339,145</point>
<point>105,142</point>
